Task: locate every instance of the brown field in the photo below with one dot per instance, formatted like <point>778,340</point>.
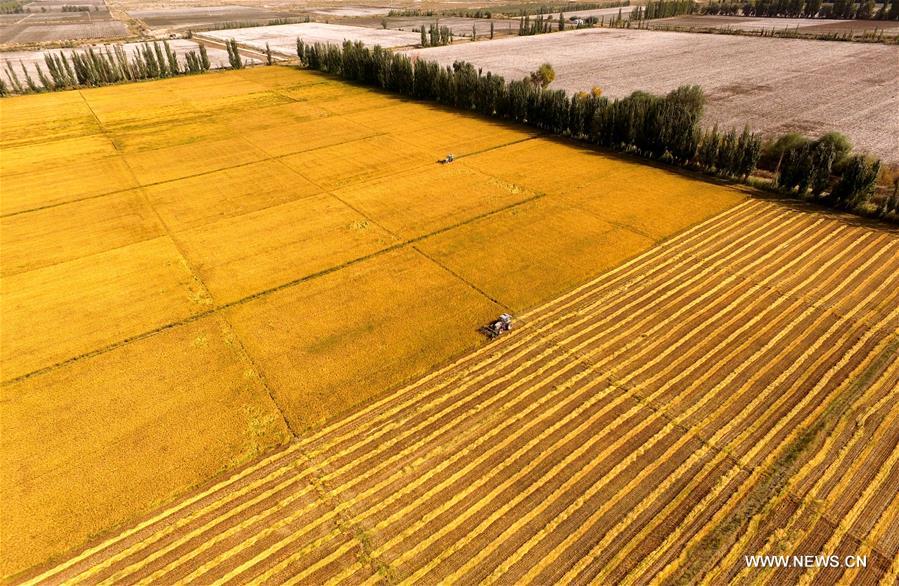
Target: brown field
<point>823,86</point>
<point>282,38</point>
<point>191,17</point>
<point>44,21</point>
<point>733,390</point>
<point>225,256</point>
<point>801,25</point>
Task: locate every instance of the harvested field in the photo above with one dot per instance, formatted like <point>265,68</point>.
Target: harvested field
<point>182,18</point>
<point>352,11</point>
<point>802,25</point>
<point>282,38</point>
<point>306,224</point>
<point>849,87</point>
<point>460,26</point>
<point>54,25</point>
<point>731,390</point>
<point>606,13</point>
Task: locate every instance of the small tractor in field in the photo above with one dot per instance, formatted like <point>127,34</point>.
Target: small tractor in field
<point>449,159</point>
<point>498,327</point>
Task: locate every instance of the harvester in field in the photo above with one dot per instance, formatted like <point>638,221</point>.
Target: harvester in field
<point>498,327</point>
<point>447,160</point>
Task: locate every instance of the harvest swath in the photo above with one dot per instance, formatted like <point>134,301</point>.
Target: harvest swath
<point>695,404</point>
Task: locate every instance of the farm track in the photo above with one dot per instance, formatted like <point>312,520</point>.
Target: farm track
<point>608,439</point>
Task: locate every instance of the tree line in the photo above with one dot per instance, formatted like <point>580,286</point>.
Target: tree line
<point>11,7</point>
<point>96,67</point>
<point>659,127</point>
<point>842,9</point>
<point>436,35</point>
<point>509,9</point>
<point>652,10</point>
<point>663,9</point>
<point>541,24</point>
<point>809,167</point>
<point>234,58</point>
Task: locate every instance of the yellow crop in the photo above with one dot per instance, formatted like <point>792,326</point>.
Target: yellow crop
<point>175,252</point>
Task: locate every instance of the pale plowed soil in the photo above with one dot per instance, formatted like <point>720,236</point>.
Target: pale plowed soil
<point>731,391</point>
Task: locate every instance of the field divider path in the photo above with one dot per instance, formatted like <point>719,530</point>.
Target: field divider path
<point>185,259</point>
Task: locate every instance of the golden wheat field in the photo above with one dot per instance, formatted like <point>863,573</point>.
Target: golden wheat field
<point>732,390</point>
<point>200,270</point>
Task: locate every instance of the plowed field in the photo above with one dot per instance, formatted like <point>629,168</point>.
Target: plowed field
<point>731,391</point>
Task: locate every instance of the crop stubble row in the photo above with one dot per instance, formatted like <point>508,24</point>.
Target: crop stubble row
<point>574,449</point>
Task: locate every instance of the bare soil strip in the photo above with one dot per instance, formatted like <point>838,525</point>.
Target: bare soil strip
<point>729,392</point>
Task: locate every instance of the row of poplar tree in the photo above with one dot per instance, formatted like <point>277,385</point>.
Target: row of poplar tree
<point>660,9</point>
<point>665,128</point>
<point>436,35</point>
<point>844,9</point>
<point>112,64</point>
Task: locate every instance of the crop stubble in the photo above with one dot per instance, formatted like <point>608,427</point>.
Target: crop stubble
<point>618,429</point>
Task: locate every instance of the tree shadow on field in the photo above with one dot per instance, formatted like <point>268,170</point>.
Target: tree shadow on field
<point>810,207</point>
<point>436,106</point>
<point>799,205</point>
<point>587,148</point>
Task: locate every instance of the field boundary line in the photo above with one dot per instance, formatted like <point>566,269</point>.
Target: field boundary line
<point>223,319</point>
